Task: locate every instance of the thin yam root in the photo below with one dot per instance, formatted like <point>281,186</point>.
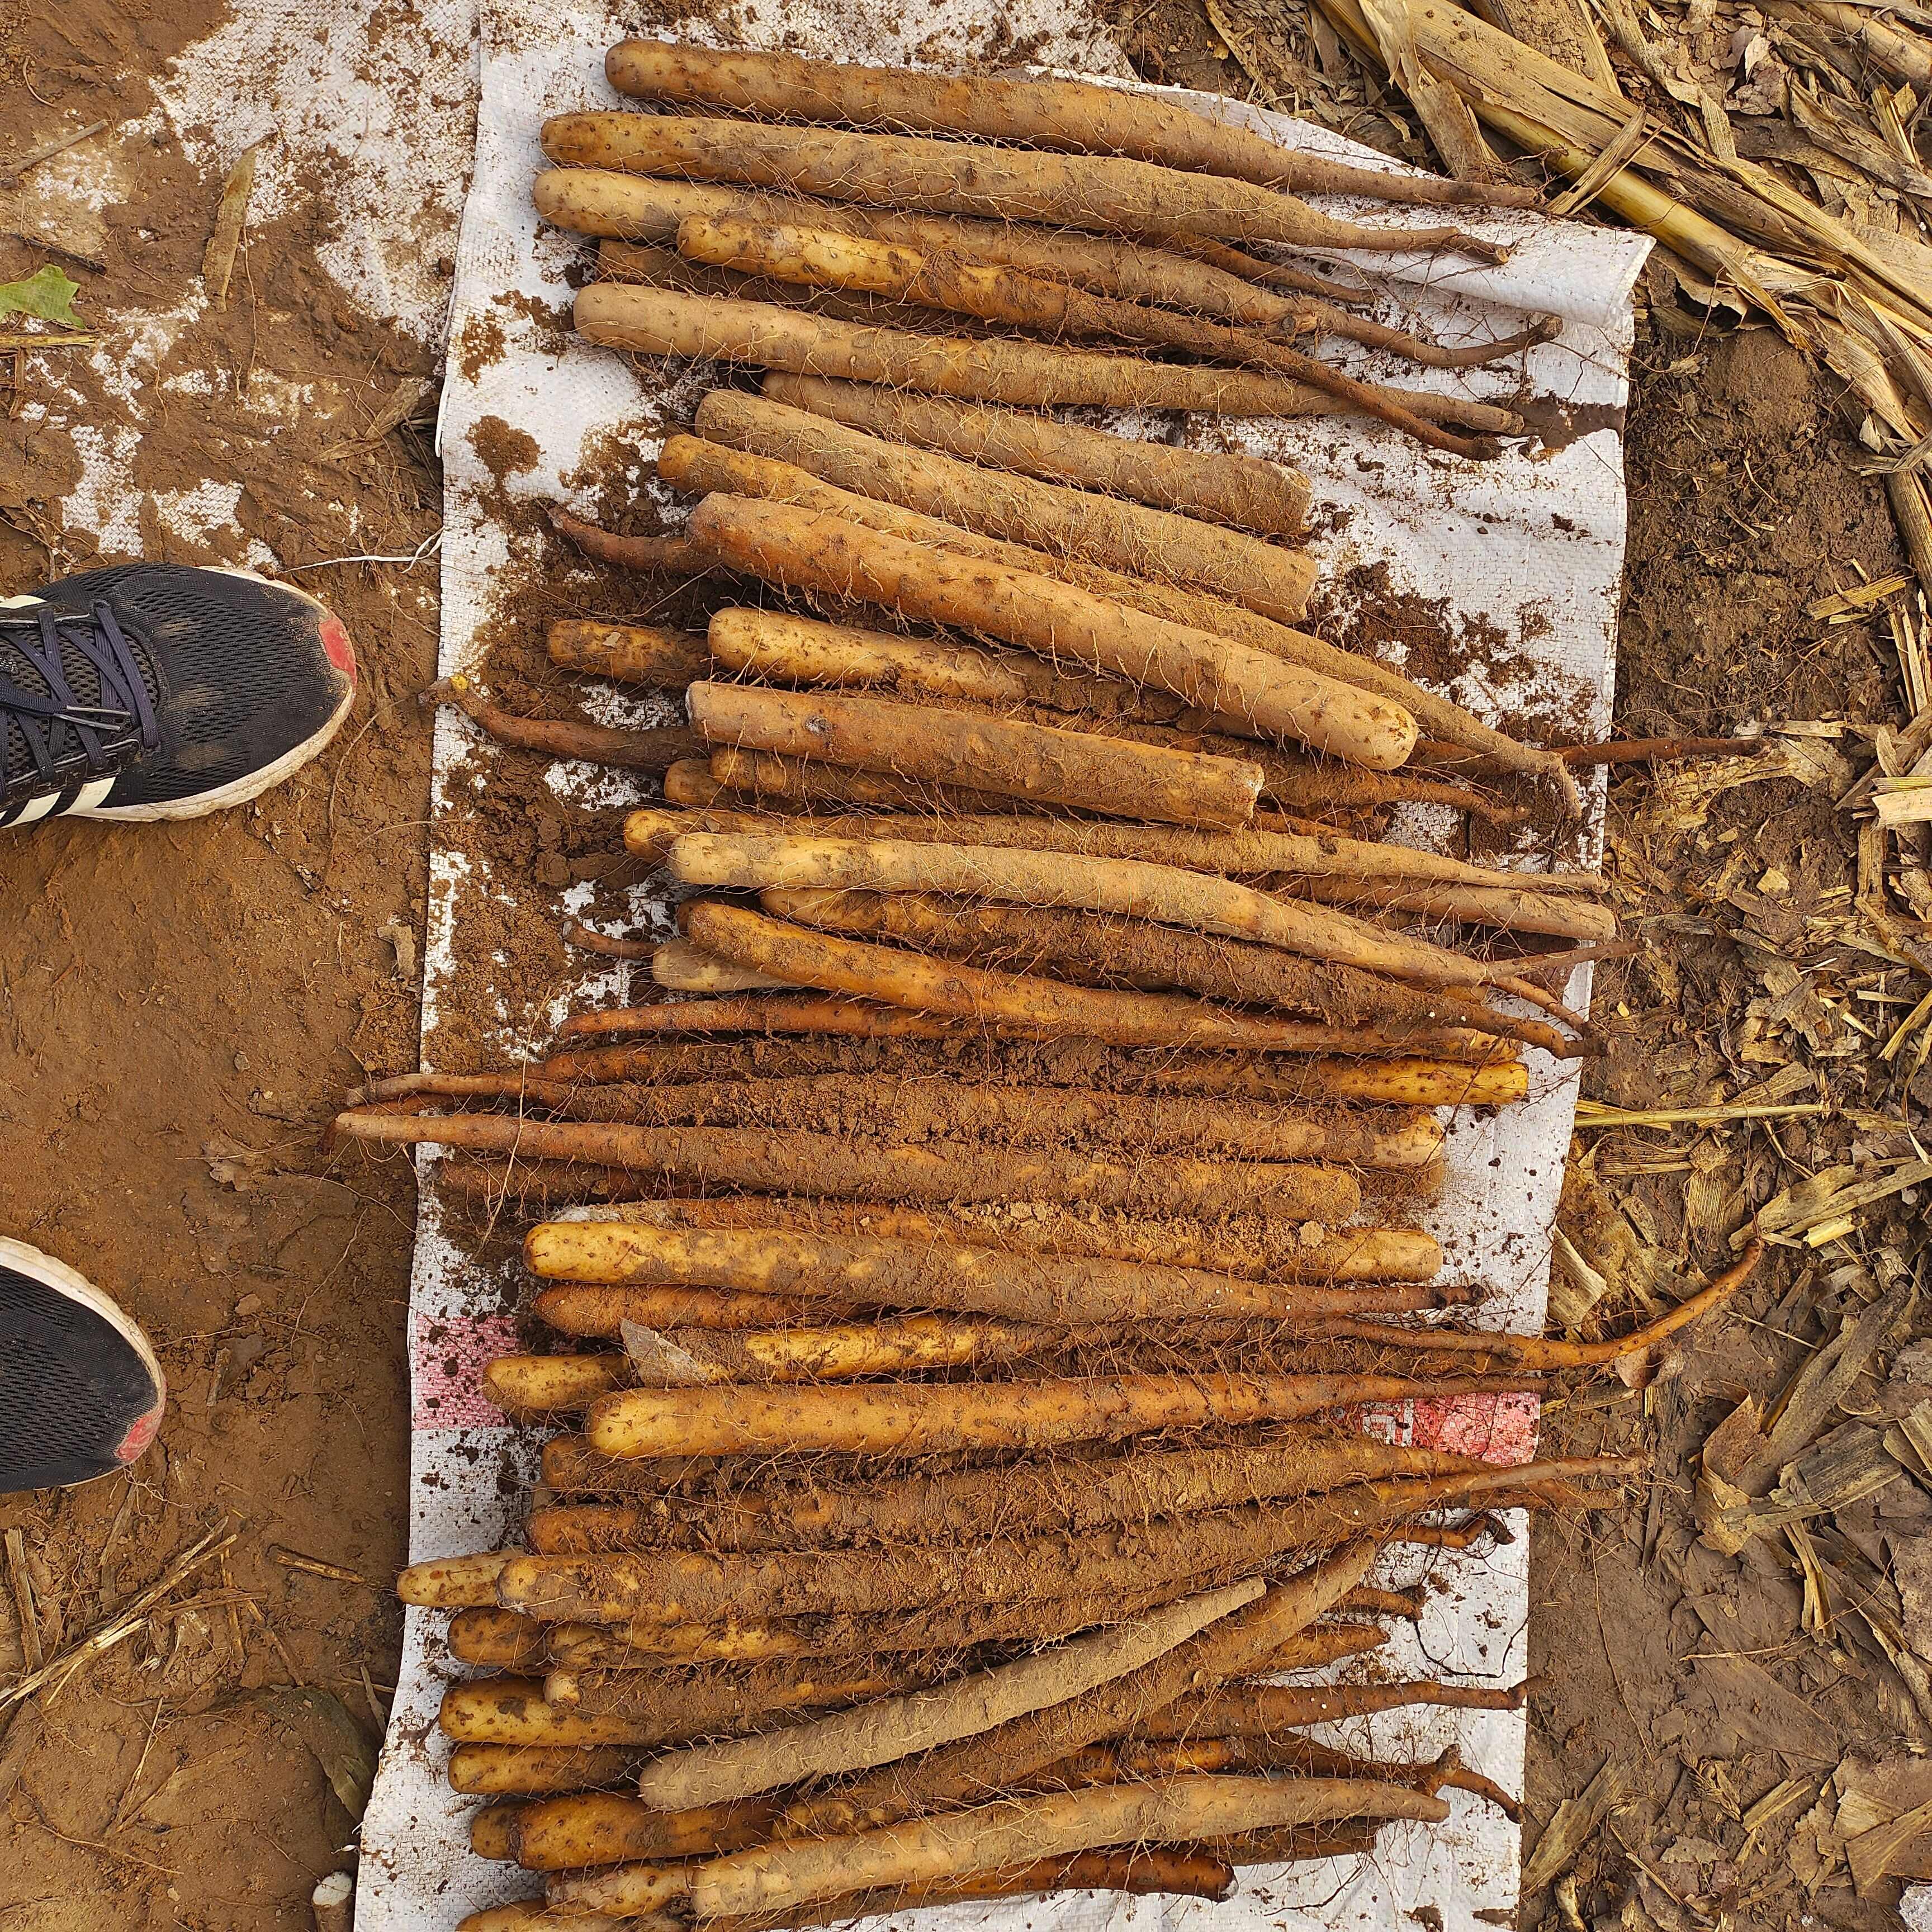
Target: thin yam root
<point>1107,195</point>
<point>1142,1869</point>
<point>1166,894</point>
<point>802,550</point>
<point>653,749</point>
<point>632,653</point>
<point>577,934</point>
<point>1113,1764</point>
<point>794,955</point>
<point>1104,948</point>
<point>1264,1710</point>
<point>1077,116</point>
<point>1010,297</point>
<point>828,1164</point>
<point>1043,516</point>
<point>1078,769</point>
<point>671,556</point>
<point>897,1727</point>
<point>1242,492</point>
<point>1544,1352</point>
<point>693,1357</point>
<point>1019,1749</point>
<point>1024,1497</point>
<point>764,1013</point>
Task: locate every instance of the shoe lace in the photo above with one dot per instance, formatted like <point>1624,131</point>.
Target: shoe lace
<point>52,720</point>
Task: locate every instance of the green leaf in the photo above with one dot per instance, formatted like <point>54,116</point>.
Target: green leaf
<point>47,294</point>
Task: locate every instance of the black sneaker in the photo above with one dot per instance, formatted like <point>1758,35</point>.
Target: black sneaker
<point>157,691</point>
<point>81,1393</point>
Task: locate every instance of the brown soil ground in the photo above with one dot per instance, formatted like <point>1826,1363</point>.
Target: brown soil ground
<point>181,1007</point>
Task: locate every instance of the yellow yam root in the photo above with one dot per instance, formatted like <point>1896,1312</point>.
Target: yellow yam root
<point>635,653</point>
<point>922,1418</point>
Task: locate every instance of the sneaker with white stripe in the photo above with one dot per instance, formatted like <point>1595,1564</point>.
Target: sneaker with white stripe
<point>161,691</point>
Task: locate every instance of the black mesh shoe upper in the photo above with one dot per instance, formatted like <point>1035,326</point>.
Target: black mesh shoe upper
<point>76,1398</point>
<point>241,672</point>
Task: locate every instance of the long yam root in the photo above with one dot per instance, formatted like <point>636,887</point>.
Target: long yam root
<point>1023,760</point>
<point>813,1164</point>
<point>1042,516</point>
<point>1056,1290</point>
<point>1074,116</point>
<point>924,1419</point>
<point>1265,1250</point>
<point>788,954</point>
<point>1242,492</point>
<point>1012,297</point>
<point>897,1727</point>
<point>917,1106</point>
<point>1016,1750</point>
<point>652,749</point>
<point>1106,949</point>
<point>1107,195</point>
<point>1166,894</point>
<point>1042,1497</point>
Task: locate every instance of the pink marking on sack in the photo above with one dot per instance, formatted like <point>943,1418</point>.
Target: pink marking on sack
<point>1497,1428</point>
<point>447,1361</point>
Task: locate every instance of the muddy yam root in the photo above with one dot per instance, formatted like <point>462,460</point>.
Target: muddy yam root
<point>1043,516</point>
<point>1242,492</point>
<point>1106,194</point>
<point>1117,776</point>
<point>1054,1290</point>
<point>828,1164</point>
<point>786,955</point>
<point>1070,116</point>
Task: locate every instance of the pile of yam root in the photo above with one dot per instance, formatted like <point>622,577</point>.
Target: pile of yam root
<point>1031,1115</point>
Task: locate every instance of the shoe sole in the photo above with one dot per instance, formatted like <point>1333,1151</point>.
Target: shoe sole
<point>241,791</point>
<point>71,1284</point>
